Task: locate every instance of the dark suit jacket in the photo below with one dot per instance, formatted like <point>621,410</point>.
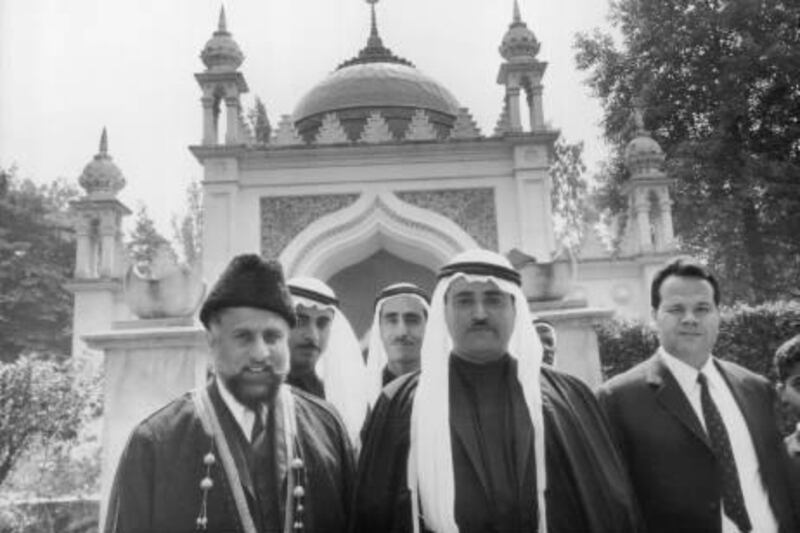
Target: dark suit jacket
<point>667,452</point>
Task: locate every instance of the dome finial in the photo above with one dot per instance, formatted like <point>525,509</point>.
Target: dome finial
<point>375,51</point>
<point>222,26</point>
<point>517,16</point>
<point>638,113</point>
<point>519,43</point>
<point>104,142</point>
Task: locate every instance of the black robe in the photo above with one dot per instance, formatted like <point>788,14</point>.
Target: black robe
<point>588,489</point>
<point>157,483</point>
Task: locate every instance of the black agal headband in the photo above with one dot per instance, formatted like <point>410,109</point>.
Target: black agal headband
<point>402,288</point>
<point>481,269</point>
<point>302,292</point>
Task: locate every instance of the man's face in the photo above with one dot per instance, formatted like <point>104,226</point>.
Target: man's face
<point>480,318</point>
<point>687,318</point>
<point>790,389</point>
<point>310,337</point>
<point>402,323</point>
<point>251,352</point>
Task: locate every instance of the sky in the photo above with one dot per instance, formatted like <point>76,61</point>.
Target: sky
<point>70,67</point>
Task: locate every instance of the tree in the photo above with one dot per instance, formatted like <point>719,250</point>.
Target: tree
<point>40,401</point>
<point>260,122</point>
<point>37,255</point>
<point>569,191</point>
<point>187,229</point>
<point>145,242</point>
<point>719,82</point>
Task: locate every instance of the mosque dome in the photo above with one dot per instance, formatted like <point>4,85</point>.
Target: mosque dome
<point>375,81</point>
<point>221,53</point>
<point>519,42</point>
<point>101,178</point>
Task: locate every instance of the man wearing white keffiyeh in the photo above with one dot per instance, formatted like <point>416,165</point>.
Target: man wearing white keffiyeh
<point>325,355</point>
<point>485,439</point>
<point>395,339</point>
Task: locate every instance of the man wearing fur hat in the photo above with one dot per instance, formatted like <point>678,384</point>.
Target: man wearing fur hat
<point>485,438</point>
<point>326,358</point>
<point>246,453</point>
<point>395,340</point>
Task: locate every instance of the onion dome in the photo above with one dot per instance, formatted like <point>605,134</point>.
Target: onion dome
<point>376,80</point>
<point>519,42</point>
<point>101,178</point>
<point>642,154</point>
<point>221,53</point>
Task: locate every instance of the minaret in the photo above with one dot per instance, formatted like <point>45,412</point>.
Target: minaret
<point>521,72</point>
<point>100,253</point>
<point>221,82</point>
<point>649,206</point>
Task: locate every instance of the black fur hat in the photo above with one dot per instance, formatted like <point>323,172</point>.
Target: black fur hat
<point>250,281</point>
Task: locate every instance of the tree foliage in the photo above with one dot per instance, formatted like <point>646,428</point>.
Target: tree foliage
<point>719,83</point>
<point>262,129</point>
<point>40,401</point>
<point>37,255</point>
<point>145,243</point>
<point>187,229</point>
<point>569,192</point>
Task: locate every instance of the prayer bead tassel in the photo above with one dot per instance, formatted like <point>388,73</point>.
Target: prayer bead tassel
<point>297,495</point>
<point>206,484</point>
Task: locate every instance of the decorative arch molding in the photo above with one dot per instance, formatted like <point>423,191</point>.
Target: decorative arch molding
<point>375,221</point>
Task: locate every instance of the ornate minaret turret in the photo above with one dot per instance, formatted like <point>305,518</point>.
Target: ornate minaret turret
<point>650,208</point>
<point>222,83</point>
<point>521,72</point>
<point>98,220</point>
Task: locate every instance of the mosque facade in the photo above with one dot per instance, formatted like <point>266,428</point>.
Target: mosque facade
<point>379,175</point>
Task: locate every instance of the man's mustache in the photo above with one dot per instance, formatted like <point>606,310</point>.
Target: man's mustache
<point>308,345</point>
<point>479,325</point>
<point>404,341</point>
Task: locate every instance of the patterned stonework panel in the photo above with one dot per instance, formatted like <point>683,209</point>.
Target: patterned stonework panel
<point>471,209</point>
<point>284,217</point>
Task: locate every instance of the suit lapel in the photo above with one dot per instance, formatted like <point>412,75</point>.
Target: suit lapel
<point>670,396</point>
<point>522,426</point>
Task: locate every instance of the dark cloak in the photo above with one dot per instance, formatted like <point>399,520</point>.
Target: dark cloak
<point>157,484</point>
<point>588,488</point>
<point>308,382</point>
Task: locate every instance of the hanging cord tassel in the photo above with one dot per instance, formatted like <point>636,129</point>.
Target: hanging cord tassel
<point>206,484</point>
<point>299,491</point>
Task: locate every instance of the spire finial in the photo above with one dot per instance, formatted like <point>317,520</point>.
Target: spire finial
<point>104,142</point>
<point>638,113</point>
<point>222,26</point>
<point>517,16</point>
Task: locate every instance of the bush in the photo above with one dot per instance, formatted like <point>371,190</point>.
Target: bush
<point>41,402</point>
<point>748,336</point>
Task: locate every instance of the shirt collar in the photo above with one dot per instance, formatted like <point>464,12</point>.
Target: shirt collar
<point>686,374</point>
<point>237,409</point>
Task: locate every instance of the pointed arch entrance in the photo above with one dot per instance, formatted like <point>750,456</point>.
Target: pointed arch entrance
<point>377,240</point>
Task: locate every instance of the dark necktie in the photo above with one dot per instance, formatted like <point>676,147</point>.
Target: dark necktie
<point>264,476</point>
<point>732,498</point>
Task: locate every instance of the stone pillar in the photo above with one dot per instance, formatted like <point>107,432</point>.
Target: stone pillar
<point>147,364</point>
<point>232,116</point>
<point>536,111</point>
<point>109,228</point>
<point>209,123</point>
<point>665,211</point>
<point>642,212</point>
<point>577,351</point>
<point>515,123</point>
<point>84,254</point>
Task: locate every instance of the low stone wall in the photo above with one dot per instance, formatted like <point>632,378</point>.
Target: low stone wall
<point>50,516</point>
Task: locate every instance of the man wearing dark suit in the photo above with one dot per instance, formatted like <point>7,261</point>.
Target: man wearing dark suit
<point>699,435</point>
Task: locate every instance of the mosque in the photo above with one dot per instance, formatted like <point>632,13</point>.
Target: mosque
<point>379,175</point>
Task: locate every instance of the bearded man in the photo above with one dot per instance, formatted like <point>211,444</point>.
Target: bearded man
<point>246,453</point>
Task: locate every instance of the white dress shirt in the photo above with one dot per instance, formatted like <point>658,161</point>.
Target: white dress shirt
<point>244,416</point>
<point>755,495</point>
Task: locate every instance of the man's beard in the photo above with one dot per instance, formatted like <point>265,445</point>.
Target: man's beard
<point>255,387</point>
